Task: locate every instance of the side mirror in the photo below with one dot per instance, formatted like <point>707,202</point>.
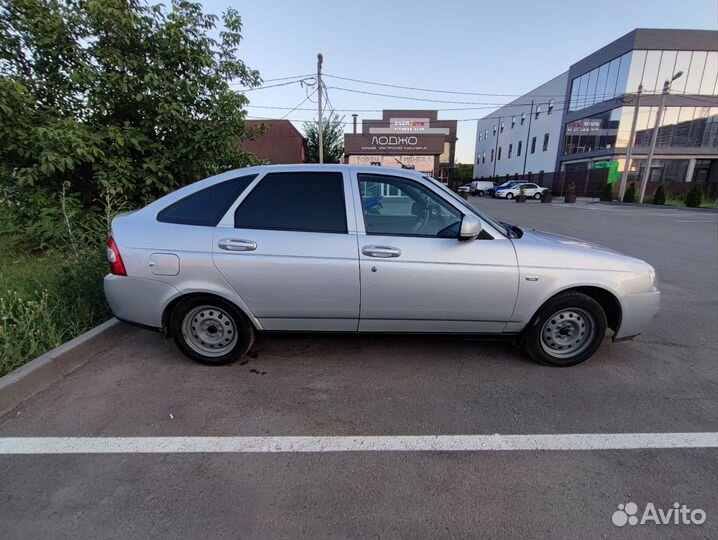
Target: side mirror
<point>470,227</point>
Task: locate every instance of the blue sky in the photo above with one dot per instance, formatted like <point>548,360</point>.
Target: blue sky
<point>498,47</point>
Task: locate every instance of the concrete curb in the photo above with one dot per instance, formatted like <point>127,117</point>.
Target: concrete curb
<point>661,207</point>
<point>38,374</point>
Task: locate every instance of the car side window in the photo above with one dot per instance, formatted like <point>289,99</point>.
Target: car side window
<point>206,206</point>
<point>295,201</point>
<point>401,207</point>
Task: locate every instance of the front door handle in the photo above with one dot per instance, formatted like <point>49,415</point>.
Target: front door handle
<point>382,252</point>
<point>233,244</point>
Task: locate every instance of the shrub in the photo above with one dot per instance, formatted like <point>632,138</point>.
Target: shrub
<point>660,196</point>
<point>607,193</point>
<point>694,198</point>
<point>630,195</point>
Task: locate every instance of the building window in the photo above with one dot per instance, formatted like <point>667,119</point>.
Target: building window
<point>492,155</point>
<point>498,156</point>
<point>511,148</point>
<point>513,122</point>
<point>486,134</point>
<point>480,136</point>
<point>550,106</point>
<point>478,158</point>
<point>538,111</point>
<point>494,130</point>
<point>545,142</point>
<point>533,144</point>
<point>502,127</point>
<point>518,149</point>
<point>523,118</point>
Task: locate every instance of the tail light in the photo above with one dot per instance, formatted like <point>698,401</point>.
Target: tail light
<point>114,258</point>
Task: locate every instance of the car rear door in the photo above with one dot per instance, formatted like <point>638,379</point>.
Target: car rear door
<point>416,276</point>
<point>288,248</point>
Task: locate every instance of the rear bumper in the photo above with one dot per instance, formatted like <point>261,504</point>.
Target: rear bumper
<point>138,300</point>
<point>639,311</point>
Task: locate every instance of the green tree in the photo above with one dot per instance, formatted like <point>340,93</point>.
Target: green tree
<point>606,192</point>
<point>659,197</point>
<point>694,198</point>
<point>117,96</point>
<point>332,139</point>
<point>464,171</point>
<point>630,195</point>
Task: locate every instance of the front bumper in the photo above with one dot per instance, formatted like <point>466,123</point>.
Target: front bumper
<point>638,312</point>
<point>138,300</point>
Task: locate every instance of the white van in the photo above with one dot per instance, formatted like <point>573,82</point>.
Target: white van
<point>480,187</point>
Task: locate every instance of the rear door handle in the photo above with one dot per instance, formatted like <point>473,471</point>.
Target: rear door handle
<point>233,244</point>
<point>382,252</point>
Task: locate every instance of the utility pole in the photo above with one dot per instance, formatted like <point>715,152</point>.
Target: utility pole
<point>654,137</point>
<point>528,139</point>
<point>320,59</point>
<point>629,150</point>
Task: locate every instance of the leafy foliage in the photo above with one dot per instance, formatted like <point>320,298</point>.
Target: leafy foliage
<point>116,96</point>
<point>606,193</point>
<point>332,139</point>
<point>694,198</point>
<point>630,195</point>
<point>659,197</point>
<point>104,105</point>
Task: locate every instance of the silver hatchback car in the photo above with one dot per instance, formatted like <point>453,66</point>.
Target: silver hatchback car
<point>338,248</point>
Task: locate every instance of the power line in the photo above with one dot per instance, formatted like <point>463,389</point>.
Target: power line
<point>436,91</point>
<point>300,103</point>
<point>305,80</point>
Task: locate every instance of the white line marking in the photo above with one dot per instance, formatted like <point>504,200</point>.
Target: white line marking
<point>422,443</point>
<point>696,221</point>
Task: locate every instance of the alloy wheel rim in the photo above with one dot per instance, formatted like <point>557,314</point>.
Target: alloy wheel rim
<point>568,333</point>
<point>209,331</point>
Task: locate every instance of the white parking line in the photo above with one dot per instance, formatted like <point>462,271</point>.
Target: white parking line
<point>696,221</point>
<point>421,443</point>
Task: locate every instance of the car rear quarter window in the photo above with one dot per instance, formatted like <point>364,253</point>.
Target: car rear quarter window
<point>207,206</point>
<point>301,201</point>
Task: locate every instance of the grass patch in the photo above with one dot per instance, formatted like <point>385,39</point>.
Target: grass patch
<point>45,300</point>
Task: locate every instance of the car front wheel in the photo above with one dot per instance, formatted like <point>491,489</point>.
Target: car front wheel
<point>210,330</point>
<point>566,331</point>
<point>481,193</point>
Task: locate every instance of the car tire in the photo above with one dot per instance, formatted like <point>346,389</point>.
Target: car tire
<point>509,195</point>
<point>211,331</point>
<point>537,196</point>
<point>567,330</point>
<point>481,193</point>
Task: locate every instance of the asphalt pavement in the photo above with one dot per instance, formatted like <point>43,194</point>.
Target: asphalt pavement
<point>665,381</point>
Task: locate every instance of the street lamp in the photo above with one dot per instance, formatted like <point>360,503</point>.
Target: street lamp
<point>654,137</point>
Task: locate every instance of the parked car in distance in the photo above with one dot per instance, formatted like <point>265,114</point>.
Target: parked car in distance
<point>481,187</point>
<point>532,191</point>
<point>492,191</point>
<point>340,248</point>
<point>466,188</point>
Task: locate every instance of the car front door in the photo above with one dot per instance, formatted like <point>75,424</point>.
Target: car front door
<point>289,251</point>
<point>416,276</point>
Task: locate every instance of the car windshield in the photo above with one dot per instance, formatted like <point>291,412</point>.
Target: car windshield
<point>501,227</point>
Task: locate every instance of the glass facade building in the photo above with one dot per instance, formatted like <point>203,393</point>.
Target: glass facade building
<point>681,127</point>
<point>625,73</point>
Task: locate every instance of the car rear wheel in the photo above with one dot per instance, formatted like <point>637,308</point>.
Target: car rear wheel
<point>566,331</point>
<point>537,196</point>
<point>210,330</point>
<point>509,195</point>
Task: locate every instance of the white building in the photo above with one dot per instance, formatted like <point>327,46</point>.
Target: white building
<point>521,139</point>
